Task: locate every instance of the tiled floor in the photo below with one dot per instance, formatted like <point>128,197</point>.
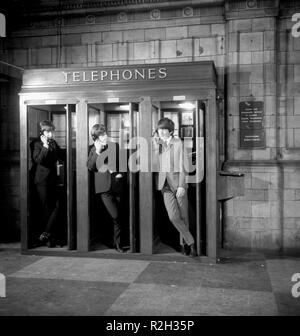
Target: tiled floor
<point>242,284</point>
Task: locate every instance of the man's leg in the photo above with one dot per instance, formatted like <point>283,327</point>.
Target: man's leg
<point>111,206</point>
<point>183,208</point>
<point>175,215</point>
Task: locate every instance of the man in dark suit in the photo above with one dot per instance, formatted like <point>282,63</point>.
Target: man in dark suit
<point>171,180</point>
<point>103,161</point>
<point>45,155</point>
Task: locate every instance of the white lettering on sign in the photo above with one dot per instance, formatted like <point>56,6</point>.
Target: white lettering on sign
<point>2,285</point>
<point>2,25</point>
<point>115,75</point>
<point>296,26</point>
<point>296,286</point>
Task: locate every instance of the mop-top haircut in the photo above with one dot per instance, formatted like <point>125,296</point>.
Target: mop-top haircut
<point>46,125</point>
<point>166,123</point>
<point>97,130</point>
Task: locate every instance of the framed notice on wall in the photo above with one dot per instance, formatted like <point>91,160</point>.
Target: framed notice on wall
<point>252,130</point>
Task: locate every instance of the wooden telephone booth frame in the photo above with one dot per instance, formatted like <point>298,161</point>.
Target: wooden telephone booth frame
<point>196,81</point>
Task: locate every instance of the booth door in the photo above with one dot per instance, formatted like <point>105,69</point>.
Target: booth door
<point>158,235</point>
<point>121,122</point>
<point>62,221</point>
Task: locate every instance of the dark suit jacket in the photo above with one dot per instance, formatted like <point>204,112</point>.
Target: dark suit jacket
<point>105,181</point>
<point>45,160</point>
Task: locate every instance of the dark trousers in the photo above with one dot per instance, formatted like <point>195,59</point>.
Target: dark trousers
<point>110,201</point>
<point>49,206</point>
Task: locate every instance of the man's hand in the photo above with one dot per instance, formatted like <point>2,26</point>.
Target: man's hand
<point>97,144</point>
<point>180,192</point>
<point>44,140</point>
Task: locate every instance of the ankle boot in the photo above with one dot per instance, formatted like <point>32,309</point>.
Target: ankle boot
<point>117,236</point>
<point>193,252</point>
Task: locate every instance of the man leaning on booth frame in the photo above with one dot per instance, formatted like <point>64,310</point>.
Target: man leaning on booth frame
<point>171,181</point>
<point>108,183</point>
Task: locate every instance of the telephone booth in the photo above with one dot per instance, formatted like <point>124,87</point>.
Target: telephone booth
<point>129,101</point>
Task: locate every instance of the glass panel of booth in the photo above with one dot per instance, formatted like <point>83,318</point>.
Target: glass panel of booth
<point>51,175</point>
<point>120,121</point>
<point>188,119</point>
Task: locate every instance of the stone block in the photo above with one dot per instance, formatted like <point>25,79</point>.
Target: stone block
<point>141,50</point>
<point>184,47</point>
<point>43,56</point>
<point>269,56</point>
<point>296,43</point>
<point>289,194</point>
<point>76,55</point>
<point>297,137</point>
<point>257,57</point>
<point>270,137</point>
<point>255,195</point>
<point>251,41</point>
<point>245,57</point>
<point>270,105</point>
<point>260,180</point>
<point>261,154</point>
<point>292,180</point>
<point>48,41</point>
<point>176,32</point>
<point>232,58</point>
<point>91,38</point>
<point>251,74</point>
<point>20,57</point>
<point>257,90</point>
<point>104,52</point>
<point>240,25</point>
<point>297,73</point>
<point>112,36</point>
<point>297,105</point>
<point>261,24</point>
<point>270,72</point>
<point>168,49</point>
<point>232,41</point>
<point>155,34</point>
<point>199,30</point>
<point>242,208</point>
<point>71,40</point>
<point>205,46</point>
<point>134,35</point>
<point>269,40</point>
<point>293,121</point>
<point>218,29</point>
<point>293,57</point>
<point>291,208</point>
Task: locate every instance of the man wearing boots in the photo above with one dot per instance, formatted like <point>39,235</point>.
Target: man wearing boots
<point>170,180</point>
<point>45,155</point>
<point>103,161</point>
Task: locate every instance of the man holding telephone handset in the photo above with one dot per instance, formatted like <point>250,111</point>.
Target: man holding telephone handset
<point>170,180</point>
<point>46,154</point>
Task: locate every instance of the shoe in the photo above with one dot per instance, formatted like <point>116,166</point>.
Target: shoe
<point>183,249</point>
<point>51,242</point>
<point>118,248</point>
<point>44,237</point>
<point>193,252</point>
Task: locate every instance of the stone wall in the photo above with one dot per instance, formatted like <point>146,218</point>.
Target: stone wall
<point>263,62</point>
<point>256,58</point>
